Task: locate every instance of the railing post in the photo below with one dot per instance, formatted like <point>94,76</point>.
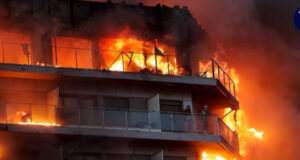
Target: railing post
<point>30,111</point>
<point>213,68</point>
<point>172,123</point>
<point>6,120</point>
<point>219,72</point>
<point>234,89</point>
<point>3,52</point>
<point>229,85</point>
<point>123,65</point>
<point>168,64</point>
<point>126,120</point>
<point>149,121</point>
<point>103,119</point>
<point>155,62</point>
<point>194,123</point>
<point>55,48</point>
<point>217,125</point>
<point>79,117</point>
<point>224,79</point>
<point>75,57</point>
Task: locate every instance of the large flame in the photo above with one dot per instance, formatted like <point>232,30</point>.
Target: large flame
<point>236,122</point>
<point>211,156</point>
<point>128,53</point>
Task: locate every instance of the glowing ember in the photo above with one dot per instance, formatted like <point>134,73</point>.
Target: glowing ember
<point>38,124</point>
<point>256,133</point>
<point>26,119</point>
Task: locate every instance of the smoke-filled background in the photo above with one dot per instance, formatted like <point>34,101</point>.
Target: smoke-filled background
<point>259,40</point>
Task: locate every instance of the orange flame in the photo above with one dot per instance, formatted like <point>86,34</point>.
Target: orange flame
<point>128,53</point>
<point>211,156</point>
<point>256,133</point>
<point>26,119</point>
<point>241,124</point>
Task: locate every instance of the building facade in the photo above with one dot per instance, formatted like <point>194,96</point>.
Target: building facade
<point>83,80</point>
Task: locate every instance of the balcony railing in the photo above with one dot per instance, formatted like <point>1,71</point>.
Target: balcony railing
<point>118,119</point>
<point>209,68</point>
<point>69,57</point>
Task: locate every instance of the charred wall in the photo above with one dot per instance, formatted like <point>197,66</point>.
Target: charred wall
<point>91,20</point>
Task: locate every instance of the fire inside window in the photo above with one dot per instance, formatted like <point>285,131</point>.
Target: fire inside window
<point>123,53</point>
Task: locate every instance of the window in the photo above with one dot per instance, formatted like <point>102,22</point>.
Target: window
<point>170,105</point>
<point>119,103</point>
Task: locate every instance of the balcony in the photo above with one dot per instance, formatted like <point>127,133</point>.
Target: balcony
<point>66,58</point>
<point>117,123</point>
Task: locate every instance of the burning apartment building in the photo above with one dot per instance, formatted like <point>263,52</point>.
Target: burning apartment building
<point>99,80</point>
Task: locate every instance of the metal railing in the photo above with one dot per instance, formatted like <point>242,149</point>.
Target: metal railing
<point>209,68</point>
<point>122,61</point>
<point>118,119</point>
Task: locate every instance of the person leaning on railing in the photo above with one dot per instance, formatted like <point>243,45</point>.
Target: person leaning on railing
<point>205,117</point>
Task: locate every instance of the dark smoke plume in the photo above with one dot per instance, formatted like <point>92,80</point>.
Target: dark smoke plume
<point>257,37</point>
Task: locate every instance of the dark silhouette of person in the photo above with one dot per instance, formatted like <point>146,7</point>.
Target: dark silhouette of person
<point>205,117</point>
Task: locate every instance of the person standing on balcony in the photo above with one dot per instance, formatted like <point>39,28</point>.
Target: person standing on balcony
<point>188,119</point>
<point>205,117</point>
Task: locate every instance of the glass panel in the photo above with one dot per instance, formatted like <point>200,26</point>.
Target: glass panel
<point>84,59</point>
<point>67,115</point>
<point>212,125</point>
<point>66,57</point>
<point>18,113</point>
<point>17,53</point>
<point>134,62</point>
<point>138,120</point>
<point>205,68</point>
<point>39,114</point>
<point>173,68</point>
<point>115,119</point>
<point>183,123</point>
<point>91,117</point>
<point>155,121</point>
<point>162,64</point>
<point>2,113</point>
<point>166,122</point>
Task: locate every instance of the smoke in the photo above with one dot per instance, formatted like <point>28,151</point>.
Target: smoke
<point>257,37</point>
